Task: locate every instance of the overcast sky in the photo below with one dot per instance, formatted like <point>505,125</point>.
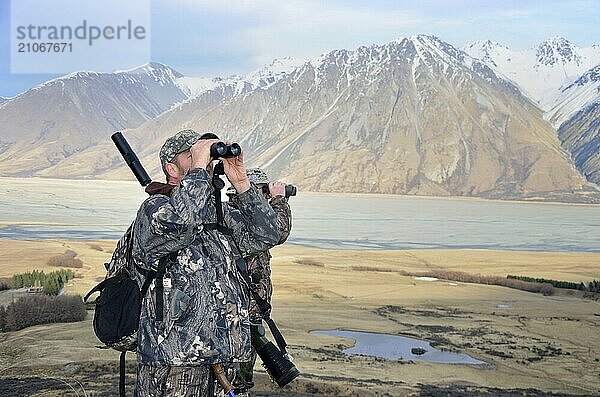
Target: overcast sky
<point>218,37</point>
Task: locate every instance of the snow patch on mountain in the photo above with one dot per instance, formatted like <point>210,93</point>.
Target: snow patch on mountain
<point>428,54</point>
<point>540,71</point>
<point>575,96</point>
<point>262,78</point>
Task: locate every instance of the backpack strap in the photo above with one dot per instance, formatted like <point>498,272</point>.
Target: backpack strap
<point>158,285</point>
<point>149,277</point>
<point>122,374</point>
<point>98,288</point>
<point>157,276</point>
<point>220,227</point>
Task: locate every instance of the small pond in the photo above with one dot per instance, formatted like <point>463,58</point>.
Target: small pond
<point>396,347</point>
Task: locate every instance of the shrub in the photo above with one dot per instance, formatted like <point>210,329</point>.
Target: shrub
<point>96,247</point>
<point>40,309</point>
<point>309,262</point>
<point>544,288</point>
<point>5,283</point>
<point>593,286</point>
<point>554,283</point>
<point>66,260</point>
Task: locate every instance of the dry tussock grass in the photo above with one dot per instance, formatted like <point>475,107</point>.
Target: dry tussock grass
<point>96,247</point>
<point>309,262</point>
<point>363,268</point>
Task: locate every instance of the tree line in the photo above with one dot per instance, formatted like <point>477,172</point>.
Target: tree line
<point>52,282</point>
<point>593,286</point>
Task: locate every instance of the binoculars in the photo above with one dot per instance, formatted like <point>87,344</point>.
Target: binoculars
<point>290,190</point>
<point>223,150</point>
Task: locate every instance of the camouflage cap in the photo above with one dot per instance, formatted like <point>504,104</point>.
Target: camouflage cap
<point>256,175</point>
<point>176,144</point>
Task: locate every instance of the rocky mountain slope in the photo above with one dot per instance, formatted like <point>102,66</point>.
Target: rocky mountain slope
<point>414,116</point>
<point>564,80</point>
<point>575,96</point>
<point>63,116</point>
<point>580,134</point>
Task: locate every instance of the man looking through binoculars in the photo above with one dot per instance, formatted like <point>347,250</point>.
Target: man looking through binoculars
<point>197,316</point>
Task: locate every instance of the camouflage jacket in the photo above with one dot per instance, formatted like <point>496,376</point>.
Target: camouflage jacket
<point>205,311</point>
<point>258,264</point>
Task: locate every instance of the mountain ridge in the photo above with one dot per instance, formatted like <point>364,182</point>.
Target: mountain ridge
<point>541,70</point>
<point>412,116</point>
<point>378,104</point>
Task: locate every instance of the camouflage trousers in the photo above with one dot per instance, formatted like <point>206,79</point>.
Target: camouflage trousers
<point>175,381</point>
<point>244,378</point>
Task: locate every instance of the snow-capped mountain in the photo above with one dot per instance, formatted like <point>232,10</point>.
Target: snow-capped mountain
<point>539,71</point>
<point>564,80</point>
<point>414,116</point>
<point>2,100</point>
<point>271,73</point>
<point>63,117</point>
<point>577,116</point>
<point>575,96</point>
<point>203,95</point>
<point>261,78</point>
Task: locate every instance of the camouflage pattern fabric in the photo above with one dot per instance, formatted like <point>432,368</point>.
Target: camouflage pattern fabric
<point>167,381</point>
<point>244,378</point>
<point>257,175</point>
<point>118,261</point>
<point>205,311</point>
<point>176,144</point>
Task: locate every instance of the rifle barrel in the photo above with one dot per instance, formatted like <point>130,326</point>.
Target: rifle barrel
<point>131,158</point>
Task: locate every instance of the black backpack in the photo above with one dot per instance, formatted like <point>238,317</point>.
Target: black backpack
<point>118,307</point>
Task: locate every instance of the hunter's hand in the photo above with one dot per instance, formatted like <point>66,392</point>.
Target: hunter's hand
<point>201,153</point>
<point>236,172</point>
<point>277,188</point>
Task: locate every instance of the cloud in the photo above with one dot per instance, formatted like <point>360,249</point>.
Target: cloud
<point>516,13</point>
<point>270,29</point>
<point>241,35</point>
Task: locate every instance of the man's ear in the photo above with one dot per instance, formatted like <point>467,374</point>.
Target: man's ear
<point>172,170</point>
